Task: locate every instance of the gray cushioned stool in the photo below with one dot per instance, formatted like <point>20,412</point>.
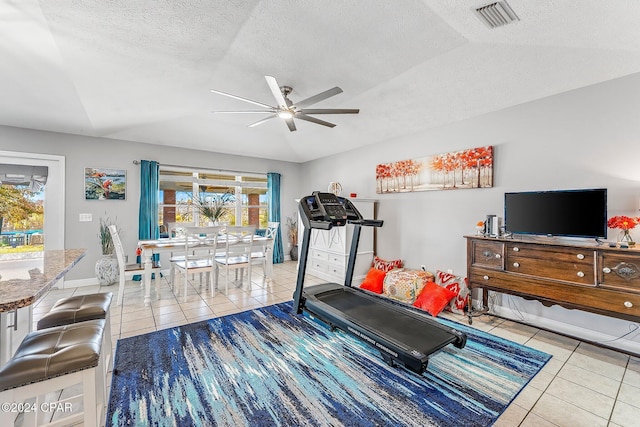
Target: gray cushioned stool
<point>77,309</point>
<point>80,309</point>
<point>56,358</point>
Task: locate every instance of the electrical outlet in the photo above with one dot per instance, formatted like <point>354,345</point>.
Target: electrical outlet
<point>85,217</point>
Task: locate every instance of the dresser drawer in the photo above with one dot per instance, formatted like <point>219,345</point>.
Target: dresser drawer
<point>555,253</point>
<point>576,265</point>
<point>576,272</point>
<point>334,270</point>
<point>619,271</point>
<point>317,266</point>
<point>480,277</point>
<point>487,254</point>
<point>317,255</point>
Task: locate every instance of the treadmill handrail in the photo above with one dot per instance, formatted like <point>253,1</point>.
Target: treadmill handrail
<point>367,222</point>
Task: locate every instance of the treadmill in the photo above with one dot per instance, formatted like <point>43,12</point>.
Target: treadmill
<point>403,335</point>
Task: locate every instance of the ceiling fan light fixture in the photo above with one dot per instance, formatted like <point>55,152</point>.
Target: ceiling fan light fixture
<point>287,110</point>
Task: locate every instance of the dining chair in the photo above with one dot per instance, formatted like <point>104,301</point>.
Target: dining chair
<point>199,256</point>
<point>265,255</point>
<point>176,229</point>
<point>129,270</point>
<point>238,243</point>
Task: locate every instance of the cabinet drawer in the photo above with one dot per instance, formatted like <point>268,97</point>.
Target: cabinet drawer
<point>337,260</point>
<point>326,267</point>
<point>319,266</point>
<point>576,272</point>
<point>319,255</point>
<point>479,277</point>
<point>559,254</point>
<point>328,257</point>
<point>487,254</point>
<point>620,271</point>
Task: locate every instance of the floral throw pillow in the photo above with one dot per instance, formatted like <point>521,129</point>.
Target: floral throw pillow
<point>384,265</point>
<point>405,285</point>
<point>456,284</point>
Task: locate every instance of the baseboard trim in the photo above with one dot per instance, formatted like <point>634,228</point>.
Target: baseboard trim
<point>593,337</point>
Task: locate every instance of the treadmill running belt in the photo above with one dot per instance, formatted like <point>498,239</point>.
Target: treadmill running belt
<point>388,320</point>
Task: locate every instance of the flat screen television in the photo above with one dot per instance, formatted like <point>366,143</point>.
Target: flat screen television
<point>572,213</point>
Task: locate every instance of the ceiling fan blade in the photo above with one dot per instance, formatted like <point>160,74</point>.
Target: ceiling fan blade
<point>275,90</point>
<point>259,122</point>
<point>290,124</point>
<point>317,98</point>
<point>244,112</point>
<point>241,98</point>
<point>302,116</point>
<point>330,111</point>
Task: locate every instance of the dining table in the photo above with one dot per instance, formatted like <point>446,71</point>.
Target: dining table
<point>24,279</point>
<point>151,247</point>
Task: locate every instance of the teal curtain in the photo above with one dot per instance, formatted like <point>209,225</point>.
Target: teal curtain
<point>273,191</point>
<point>149,191</point>
<point>149,198</point>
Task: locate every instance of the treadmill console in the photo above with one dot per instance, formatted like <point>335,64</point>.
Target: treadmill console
<point>326,210</point>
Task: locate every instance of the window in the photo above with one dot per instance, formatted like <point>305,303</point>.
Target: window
<point>182,190</point>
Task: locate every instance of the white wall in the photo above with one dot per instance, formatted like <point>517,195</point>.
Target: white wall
<point>81,152</point>
<point>580,139</point>
<point>584,138</point>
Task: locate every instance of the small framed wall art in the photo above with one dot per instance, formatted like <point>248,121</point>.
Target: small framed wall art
<point>470,168</point>
<point>105,184</point>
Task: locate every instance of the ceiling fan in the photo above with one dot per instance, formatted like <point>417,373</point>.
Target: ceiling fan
<point>288,110</point>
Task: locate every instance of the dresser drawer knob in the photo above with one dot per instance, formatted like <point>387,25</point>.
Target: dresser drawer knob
<point>485,277</point>
<point>516,249</point>
<point>580,256</point>
<point>516,264</point>
<point>606,270</point>
<point>628,304</point>
<point>580,274</point>
<point>498,256</point>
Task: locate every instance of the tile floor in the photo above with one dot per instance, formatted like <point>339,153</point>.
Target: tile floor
<point>582,385</point>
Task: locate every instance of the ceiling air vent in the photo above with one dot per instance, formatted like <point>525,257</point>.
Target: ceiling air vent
<point>497,14</point>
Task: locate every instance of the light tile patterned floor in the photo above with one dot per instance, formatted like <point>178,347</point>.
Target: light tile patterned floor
<point>582,385</point>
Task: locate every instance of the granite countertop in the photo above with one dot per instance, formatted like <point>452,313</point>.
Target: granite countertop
<point>23,281</point>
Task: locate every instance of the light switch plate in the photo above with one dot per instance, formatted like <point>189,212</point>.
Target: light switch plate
<point>86,217</point>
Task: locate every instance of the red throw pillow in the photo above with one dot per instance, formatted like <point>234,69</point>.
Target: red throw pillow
<point>433,298</point>
<point>384,265</point>
<point>374,280</point>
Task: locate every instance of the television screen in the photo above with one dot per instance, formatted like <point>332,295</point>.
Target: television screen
<point>573,213</point>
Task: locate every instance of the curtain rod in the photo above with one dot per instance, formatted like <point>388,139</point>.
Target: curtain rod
<point>137,162</point>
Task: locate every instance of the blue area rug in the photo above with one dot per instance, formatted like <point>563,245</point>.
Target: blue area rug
<point>271,367</point>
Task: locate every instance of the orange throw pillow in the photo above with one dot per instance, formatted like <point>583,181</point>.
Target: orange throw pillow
<point>433,298</point>
<point>374,281</point>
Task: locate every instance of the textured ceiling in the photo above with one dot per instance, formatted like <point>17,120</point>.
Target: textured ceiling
<point>141,70</point>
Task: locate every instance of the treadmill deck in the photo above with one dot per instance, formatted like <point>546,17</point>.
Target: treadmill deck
<point>394,329</point>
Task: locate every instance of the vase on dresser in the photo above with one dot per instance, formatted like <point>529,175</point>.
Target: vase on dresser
<point>625,238</point>
<point>107,271</point>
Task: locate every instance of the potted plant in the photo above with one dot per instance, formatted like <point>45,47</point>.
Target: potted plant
<point>107,271</point>
<point>215,207</point>
<point>292,225</point>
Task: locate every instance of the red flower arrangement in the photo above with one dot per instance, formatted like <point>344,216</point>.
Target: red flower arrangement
<point>622,222</point>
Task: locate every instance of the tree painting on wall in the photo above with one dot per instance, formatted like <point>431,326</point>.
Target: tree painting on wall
<point>104,184</point>
<point>470,168</point>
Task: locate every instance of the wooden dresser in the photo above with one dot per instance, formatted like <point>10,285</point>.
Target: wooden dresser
<point>598,279</point>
